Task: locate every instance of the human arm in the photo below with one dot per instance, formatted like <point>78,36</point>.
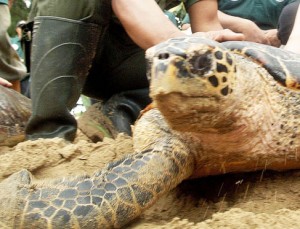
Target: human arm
<point>241,25</point>
<point>204,18</point>
<point>144,22</point>
<point>293,43</point>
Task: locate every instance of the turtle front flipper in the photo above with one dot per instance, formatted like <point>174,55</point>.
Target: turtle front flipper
<point>111,197</point>
<point>9,202</point>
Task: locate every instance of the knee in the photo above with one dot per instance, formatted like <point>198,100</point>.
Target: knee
<point>286,21</point>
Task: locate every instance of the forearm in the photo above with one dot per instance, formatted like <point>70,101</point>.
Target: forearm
<point>236,24</point>
<point>203,16</point>
<point>144,22</point>
<point>247,27</point>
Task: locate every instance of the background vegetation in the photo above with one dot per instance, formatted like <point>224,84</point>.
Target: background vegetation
<point>19,11</point>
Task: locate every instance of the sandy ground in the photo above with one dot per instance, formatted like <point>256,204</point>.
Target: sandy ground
<point>253,200</point>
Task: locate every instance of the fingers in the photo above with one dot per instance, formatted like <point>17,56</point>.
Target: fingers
<point>272,36</point>
<point>5,83</point>
<point>221,35</point>
<point>227,35</point>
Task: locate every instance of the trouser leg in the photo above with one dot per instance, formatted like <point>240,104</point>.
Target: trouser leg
<point>11,67</point>
<point>286,22</point>
<point>118,78</point>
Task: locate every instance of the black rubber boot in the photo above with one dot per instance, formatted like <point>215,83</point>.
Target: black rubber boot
<point>124,108</point>
<point>62,53</point>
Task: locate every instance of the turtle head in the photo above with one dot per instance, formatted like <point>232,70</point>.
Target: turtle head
<point>191,78</point>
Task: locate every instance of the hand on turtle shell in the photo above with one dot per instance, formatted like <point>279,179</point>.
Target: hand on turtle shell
<point>271,36</point>
<point>222,35</point>
<point>5,83</point>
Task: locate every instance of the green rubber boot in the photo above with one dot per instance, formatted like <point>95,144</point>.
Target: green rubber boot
<point>113,116</point>
<point>62,54</point>
<point>124,108</point>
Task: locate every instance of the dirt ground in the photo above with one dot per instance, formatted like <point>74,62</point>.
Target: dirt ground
<point>253,200</point>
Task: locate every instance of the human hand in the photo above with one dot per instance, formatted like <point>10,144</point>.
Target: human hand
<point>253,33</point>
<point>222,35</point>
<point>272,37</point>
<point>185,26</point>
<point>5,83</point>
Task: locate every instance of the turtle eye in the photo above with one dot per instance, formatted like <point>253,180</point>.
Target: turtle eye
<point>201,63</point>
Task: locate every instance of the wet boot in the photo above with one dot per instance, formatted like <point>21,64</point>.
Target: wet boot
<point>62,53</point>
<point>124,108</point>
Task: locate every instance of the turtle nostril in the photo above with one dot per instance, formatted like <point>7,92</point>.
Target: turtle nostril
<point>163,56</point>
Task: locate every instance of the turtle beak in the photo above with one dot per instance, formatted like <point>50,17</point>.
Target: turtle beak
<point>165,74</point>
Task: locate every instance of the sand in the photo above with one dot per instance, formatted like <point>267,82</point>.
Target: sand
<point>248,200</point>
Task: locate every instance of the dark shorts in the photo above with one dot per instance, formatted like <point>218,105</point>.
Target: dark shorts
<point>286,21</point>
<point>120,66</point>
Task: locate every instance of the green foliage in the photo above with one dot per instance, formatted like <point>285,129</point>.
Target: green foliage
<point>19,11</point>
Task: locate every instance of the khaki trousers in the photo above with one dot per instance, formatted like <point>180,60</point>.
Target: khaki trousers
<point>11,67</point>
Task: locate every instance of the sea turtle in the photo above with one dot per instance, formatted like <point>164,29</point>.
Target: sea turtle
<point>218,108</point>
<point>15,110</point>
